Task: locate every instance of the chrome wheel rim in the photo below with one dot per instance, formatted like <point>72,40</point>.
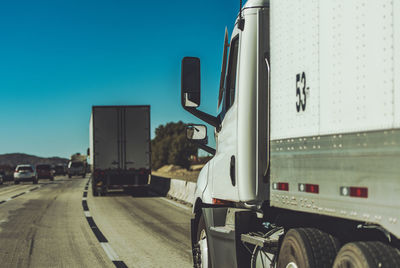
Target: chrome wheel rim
<point>263,259</point>
<point>291,265</point>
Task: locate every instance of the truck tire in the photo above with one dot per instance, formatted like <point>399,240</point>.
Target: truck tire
<point>69,176</point>
<point>94,192</point>
<point>307,247</point>
<point>201,252</point>
<point>103,193</point>
<point>367,255</point>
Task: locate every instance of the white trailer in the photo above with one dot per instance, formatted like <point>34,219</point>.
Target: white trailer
<point>119,147</point>
<point>307,166</point>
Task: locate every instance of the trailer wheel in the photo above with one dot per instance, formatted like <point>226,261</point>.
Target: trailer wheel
<point>202,254</point>
<point>307,247</point>
<point>367,255</point>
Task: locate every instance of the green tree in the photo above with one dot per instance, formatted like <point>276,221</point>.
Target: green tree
<point>170,146</point>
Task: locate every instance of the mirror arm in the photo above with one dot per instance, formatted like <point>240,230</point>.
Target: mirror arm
<point>204,147</point>
<point>209,119</point>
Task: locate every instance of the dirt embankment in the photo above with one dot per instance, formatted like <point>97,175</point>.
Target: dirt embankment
<point>179,173</point>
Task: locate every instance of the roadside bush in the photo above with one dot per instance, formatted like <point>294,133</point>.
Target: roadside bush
<point>170,146</point>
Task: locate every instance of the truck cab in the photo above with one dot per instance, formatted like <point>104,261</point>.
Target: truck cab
<point>237,172</point>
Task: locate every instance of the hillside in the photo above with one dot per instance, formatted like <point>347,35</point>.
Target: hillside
<point>18,158</point>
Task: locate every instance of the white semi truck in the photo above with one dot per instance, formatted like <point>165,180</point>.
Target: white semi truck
<point>306,171</point>
<point>119,147</point>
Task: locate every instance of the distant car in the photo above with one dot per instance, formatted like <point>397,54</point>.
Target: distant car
<point>44,171</point>
<point>25,173</point>
<point>60,170</point>
<point>8,174</point>
<point>76,169</point>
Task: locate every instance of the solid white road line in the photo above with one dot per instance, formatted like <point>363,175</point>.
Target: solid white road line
<point>175,203</point>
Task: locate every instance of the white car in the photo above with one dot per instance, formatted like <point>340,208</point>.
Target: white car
<point>25,173</point>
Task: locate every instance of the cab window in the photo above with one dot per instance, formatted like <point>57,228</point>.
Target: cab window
<point>231,74</point>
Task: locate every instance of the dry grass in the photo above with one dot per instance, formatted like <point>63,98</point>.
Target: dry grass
<point>179,173</point>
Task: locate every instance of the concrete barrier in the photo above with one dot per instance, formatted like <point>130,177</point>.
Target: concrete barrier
<point>174,188</point>
<point>182,190</point>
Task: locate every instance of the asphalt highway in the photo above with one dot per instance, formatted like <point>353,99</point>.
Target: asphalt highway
<point>60,224</point>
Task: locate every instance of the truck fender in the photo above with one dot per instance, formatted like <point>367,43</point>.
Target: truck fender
<point>203,192</point>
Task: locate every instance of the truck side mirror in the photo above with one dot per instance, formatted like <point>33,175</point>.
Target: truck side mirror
<point>190,82</point>
<point>197,133</point>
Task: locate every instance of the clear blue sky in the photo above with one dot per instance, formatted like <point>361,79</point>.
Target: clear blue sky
<point>58,58</point>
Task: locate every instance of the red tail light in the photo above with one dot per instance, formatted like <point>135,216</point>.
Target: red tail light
<point>98,173</point>
<point>309,188</point>
<point>354,191</point>
<point>359,192</point>
<point>312,188</point>
<point>143,171</point>
<point>282,186</point>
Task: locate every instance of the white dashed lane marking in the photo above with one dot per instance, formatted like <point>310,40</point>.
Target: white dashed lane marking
<point>17,195</point>
<point>110,252</point>
<point>99,235</point>
<point>87,214</point>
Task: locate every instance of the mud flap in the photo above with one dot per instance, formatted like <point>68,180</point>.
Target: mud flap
<point>193,234</point>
